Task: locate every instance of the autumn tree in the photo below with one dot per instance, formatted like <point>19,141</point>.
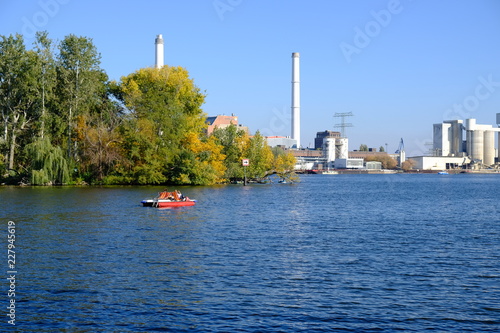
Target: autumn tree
<point>164,113</point>
<point>260,155</point>
<point>387,161</point>
<point>201,162</point>
<point>233,141</point>
<point>408,164</point>
<point>284,164</point>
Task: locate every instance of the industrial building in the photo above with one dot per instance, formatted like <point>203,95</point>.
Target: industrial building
<point>438,163</point>
<point>222,121</point>
<point>456,138</point>
<point>318,141</point>
<point>281,141</point>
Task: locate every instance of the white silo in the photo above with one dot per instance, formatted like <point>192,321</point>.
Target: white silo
<point>296,98</point>
<point>342,149</point>
<point>489,148</point>
<point>470,126</point>
<point>456,137</point>
<point>159,56</point>
<point>329,149</point>
<point>477,152</point>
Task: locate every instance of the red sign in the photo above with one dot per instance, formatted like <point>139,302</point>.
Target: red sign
<point>245,162</point>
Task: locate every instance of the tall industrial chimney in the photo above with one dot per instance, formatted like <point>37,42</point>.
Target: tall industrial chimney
<point>296,98</point>
<point>159,51</point>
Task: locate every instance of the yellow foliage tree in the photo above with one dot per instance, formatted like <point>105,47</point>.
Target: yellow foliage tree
<point>201,163</point>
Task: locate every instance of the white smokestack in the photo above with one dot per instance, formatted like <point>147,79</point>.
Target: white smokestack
<point>296,98</point>
<point>159,51</point>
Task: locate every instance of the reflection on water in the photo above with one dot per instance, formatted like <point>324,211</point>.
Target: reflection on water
<point>355,253</point>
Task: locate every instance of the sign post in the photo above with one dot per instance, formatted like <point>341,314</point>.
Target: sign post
<point>245,162</point>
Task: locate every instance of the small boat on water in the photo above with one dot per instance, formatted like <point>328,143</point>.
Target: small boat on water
<point>443,173</point>
<point>330,172</point>
<point>167,199</point>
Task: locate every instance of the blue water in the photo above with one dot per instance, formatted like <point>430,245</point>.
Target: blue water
<point>353,253</point>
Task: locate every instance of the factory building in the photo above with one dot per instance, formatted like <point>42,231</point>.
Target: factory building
<point>222,121</point>
<point>318,141</point>
<point>281,141</point>
<point>479,143</point>
<point>439,163</point>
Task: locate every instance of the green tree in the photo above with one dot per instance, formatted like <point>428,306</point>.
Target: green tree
<point>363,147</point>
<point>201,161</point>
<point>284,164</point>
<point>260,156</point>
<point>48,164</point>
<point>164,111</point>
<point>80,83</point>
<point>233,140</point>
<point>381,149</point>
<point>17,93</point>
<point>46,72</point>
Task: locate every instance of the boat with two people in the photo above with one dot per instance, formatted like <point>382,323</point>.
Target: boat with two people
<point>166,199</point>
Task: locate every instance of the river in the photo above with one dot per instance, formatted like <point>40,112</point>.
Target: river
<point>348,253</point>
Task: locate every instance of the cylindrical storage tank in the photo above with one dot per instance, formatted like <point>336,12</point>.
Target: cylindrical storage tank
<point>468,143</point>
<point>470,124</point>
<point>342,148</point>
<point>402,157</point>
<point>489,148</point>
<point>498,146</point>
<point>478,145</point>
<point>456,138</point>
<point>329,149</point>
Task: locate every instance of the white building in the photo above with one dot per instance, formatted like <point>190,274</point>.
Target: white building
<point>439,162</point>
<point>479,143</point>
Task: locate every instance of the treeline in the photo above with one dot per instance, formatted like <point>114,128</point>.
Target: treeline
<point>64,122</point>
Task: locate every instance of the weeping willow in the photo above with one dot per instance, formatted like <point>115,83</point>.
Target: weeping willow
<point>48,165</point>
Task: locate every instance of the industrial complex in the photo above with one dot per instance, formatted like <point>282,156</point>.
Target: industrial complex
<point>457,144</point>
<point>462,145</point>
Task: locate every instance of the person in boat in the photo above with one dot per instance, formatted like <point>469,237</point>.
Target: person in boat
<point>177,195</point>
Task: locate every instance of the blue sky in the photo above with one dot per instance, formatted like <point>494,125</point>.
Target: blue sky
<point>398,66</point>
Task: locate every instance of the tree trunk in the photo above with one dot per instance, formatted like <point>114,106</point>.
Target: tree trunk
<point>12,149</point>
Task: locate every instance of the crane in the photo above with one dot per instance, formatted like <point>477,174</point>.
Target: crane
<point>401,147</point>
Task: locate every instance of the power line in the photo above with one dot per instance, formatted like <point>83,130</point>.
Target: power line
<point>343,124</point>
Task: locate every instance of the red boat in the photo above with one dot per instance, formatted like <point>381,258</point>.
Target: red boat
<point>169,203</point>
<point>167,199</point>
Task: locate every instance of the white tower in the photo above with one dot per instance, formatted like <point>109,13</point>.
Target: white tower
<point>159,51</point>
<point>296,98</point>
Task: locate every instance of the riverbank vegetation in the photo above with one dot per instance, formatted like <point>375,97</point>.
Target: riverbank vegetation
<point>65,122</point>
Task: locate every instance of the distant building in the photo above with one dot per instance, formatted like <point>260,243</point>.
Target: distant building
<point>222,121</point>
<point>439,163</point>
<point>373,165</point>
<point>349,163</point>
<point>456,138</point>
<point>281,141</point>
<point>318,141</point>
